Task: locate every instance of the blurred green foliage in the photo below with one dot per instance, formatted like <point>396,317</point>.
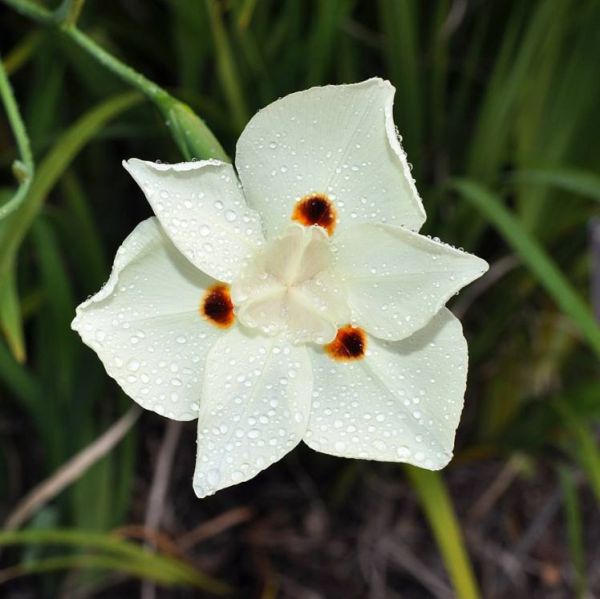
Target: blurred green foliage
<point>497,103</point>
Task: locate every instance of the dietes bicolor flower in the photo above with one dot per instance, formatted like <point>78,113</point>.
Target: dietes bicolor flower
<point>290,298</point>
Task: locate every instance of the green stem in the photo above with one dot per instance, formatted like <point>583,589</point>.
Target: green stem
<point>124,72</point>
<point>64,150</point>
<point>193,137</point>
<point>24,168</point>
<point>150,89</point>
<point>68,12</point>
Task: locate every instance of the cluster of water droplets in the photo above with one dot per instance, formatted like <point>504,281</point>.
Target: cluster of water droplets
<point>161,366</point>
<point>408,276</point>
<point>351,153</point>
<point>401,404</point>
<point>211,224</point>
<point>254,411</point>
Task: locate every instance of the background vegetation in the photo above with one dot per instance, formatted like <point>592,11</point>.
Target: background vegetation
<point>497,103</point>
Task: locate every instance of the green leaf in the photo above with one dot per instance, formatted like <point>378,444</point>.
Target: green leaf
<point>10,314</point>
<point>22,384</point>
<point>586,445</point>
<point>227,68</point>
<point>399,24</point>
<point>193,137</point>
<point>574,520</point>
<point>437,506</point>
<point>133,557</point>
<point>80,231</point>
<point>15,225</point>
<point>533,255</point>
<point>88,562</point>
<point>320,48</point>
<point>59,307</point>
<point>572,180</point>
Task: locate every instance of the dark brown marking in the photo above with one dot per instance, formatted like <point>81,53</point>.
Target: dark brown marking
<point>315,209</point>
<point>216,306</point>
<point>350,343</point>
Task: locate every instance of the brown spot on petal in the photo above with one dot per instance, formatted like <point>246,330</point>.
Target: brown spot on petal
<point>315,209</point>
<point>350,343</point>
<point>216,306</point>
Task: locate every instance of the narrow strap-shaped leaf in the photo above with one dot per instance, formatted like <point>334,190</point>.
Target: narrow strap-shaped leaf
<point>11,320</point>
<point>437,507</point>
<point>15,225</point>
<point>227,69</point>
<point>574,521</point>
<point>572,180</point>
<point>117,549</point>
<point>88,562</point>
<point>534,256</point>
<point>585,444</point>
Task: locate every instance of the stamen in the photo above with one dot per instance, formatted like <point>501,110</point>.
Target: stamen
<point>216,306</point>
<point>315,209</point>
<point>349,344</point>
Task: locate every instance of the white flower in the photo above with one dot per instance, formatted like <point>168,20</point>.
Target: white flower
<point>297,302</point>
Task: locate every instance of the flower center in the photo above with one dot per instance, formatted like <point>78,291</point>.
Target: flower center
<point>290,288</point>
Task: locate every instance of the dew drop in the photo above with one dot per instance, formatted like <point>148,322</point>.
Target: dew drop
<point>403,451</point>
<point>133,365</point>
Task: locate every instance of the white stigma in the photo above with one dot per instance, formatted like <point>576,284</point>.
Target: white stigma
<point>290,288</point>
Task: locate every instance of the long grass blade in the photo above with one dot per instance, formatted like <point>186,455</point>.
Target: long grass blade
<point>437,506</point>
<point>574,521</point>
<point>89,562</point>
<point>585,444</point>
<point>575,181</point>
<point>534,256</point>
<point>228,71</point>
<point>117,549</point>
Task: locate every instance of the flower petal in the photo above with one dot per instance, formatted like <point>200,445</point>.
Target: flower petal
<point>202,209</point>
<point>400,403</point>
<point>145,326</point>
<point>397,280</point>
<point>254,410</point>
<point>338,140</point>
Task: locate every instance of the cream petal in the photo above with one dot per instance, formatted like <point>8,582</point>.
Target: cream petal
<point>256,401</point>
<point>398,280</point>
<point>202,209</point>
<point>400,403</point>
<point>339,140</point>
<point>145,326</point>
